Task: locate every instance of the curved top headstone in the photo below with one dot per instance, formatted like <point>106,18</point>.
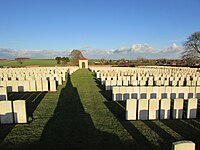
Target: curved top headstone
<point>183,145</point>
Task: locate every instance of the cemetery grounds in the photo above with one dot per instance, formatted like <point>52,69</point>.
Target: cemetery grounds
<point>81,115</point>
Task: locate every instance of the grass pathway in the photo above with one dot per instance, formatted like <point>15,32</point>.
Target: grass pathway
<point>94,104</point>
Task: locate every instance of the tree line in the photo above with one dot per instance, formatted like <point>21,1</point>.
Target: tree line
<point>62,60</point>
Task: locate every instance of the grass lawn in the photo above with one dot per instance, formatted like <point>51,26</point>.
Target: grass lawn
<point>80,115</point>
<point>40,62</point>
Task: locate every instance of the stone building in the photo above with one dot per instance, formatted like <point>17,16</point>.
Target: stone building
<point>83,63</point>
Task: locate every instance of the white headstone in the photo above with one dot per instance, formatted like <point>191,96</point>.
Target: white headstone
<point>107,85</point>
<point>165,108</point>
<point>15,86</point>
<point>26,86</point>
<point>6,114</point>
<point>32,85</point>
<point>155,92</point>
<point>123,91</point>
<point>143,92</point>
<point>119,82</point>
<point>125,82</point>
<point>52,85</point>
<point>39,85</point>
<point>142,82</point>
<point>192,108</point>
<point>142,109</point>
<point>9,86</point>
<point>113,83</point>
<point>197,92</point>
<point>59,80</point>
<point>134,82</point>
<point>177,108</point>
<point>97,74</point>
<point>19,110</point>
<point>183,145</point>
<point>192,92</point>
<point>131,109</point>
<point>153,109</point>
<point>45,85</point>
<point>150,82</point>
<point>3,93</point>
<point>135,94</point>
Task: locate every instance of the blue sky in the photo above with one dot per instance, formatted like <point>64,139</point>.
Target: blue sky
<point>98,26</point>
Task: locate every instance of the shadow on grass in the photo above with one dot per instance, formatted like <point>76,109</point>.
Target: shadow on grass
<point>141,141</point>
<point>32,101</point>
<point>106,94</point>
<point>184,128</point>
<point>5,130</point>
<point>167,138</point>
<point>72,128</point>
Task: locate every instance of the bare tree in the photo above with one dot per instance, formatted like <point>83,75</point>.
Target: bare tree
<point>76,55</point>
<point>192,47</point>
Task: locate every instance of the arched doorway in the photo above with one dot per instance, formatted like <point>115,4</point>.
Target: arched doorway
<point>83,64</point>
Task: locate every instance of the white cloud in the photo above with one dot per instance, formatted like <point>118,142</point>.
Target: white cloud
<point>142,48</point>
<point>133,52</point>
<point>173,48</point>
<point>122,50</point>
<point>98,54</point>
<point>136,48</point>
<point>172,52</point>
<point>12,54</point>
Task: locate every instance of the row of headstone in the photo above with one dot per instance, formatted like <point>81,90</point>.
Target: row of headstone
<point>152,77</point>
<point>30,86</point>
<point>13,112</point>
<point>140,73</point>
<point>153,109</point>
<point>39,73</point>
<point>110,83</point>
<point>34,79</point>
<point>143,92</point>
<point>36,70</point>
<point>144,69</point>
<point>150,82</point>
<point>171,76</point>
